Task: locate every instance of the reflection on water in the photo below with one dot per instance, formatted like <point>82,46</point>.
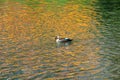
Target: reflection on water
<point>111,41</point>
<point>28,49</point>
<point>59,44</point>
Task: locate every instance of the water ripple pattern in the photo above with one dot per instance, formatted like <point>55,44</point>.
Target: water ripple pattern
<point>28,50</point>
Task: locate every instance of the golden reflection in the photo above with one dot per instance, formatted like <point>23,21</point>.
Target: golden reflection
<point>27,32</point>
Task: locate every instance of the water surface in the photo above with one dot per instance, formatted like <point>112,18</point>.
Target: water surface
<point>27,40</point>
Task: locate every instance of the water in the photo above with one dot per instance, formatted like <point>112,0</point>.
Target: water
<point>111,40</point>
<point>27,40</point>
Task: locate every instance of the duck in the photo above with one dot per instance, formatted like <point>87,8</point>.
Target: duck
<point>62,40</point>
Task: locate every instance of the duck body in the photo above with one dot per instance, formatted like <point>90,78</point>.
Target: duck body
<point>62,40</point>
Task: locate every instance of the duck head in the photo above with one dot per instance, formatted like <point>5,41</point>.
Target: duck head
<point>57,37</point>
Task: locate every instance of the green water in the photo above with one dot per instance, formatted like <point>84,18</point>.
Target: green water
<point>28,50</point>
<point>111,39</point>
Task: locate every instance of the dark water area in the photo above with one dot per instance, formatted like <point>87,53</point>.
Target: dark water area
<point>28,50</point>
<point>111,40</point>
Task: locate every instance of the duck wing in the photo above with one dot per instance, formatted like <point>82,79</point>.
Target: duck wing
<point>65,39</point>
